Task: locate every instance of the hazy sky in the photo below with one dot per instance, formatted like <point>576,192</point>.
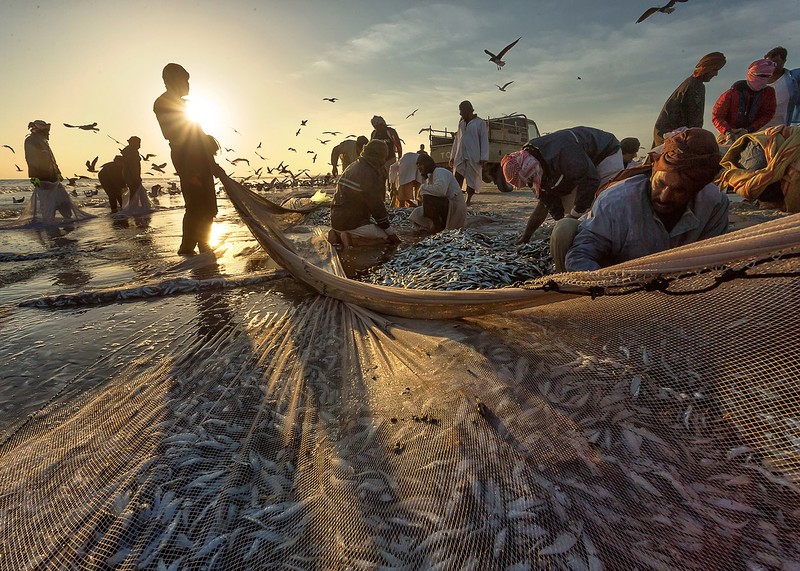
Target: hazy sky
<point>262,67</point>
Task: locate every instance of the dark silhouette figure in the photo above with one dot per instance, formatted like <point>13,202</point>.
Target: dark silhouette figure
<point>192,153</point>
<point>132,165</point>
<point>113,182</point>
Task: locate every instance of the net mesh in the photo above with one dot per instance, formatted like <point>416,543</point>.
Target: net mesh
<point>636,431</point>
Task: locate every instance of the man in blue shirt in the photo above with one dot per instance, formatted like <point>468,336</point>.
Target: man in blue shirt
<point>676,205</point>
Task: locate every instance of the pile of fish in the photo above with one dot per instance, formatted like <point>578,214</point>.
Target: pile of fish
<point>398,217</point>
<point>463,259</point>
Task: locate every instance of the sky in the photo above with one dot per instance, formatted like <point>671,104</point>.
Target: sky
<point>260,67</point>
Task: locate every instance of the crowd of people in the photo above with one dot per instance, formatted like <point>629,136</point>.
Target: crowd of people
<point>607,207</point>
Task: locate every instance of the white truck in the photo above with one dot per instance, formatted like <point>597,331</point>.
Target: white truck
<point>506,135</point>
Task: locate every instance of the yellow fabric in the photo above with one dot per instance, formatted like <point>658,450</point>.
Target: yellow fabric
<point>782,149</point>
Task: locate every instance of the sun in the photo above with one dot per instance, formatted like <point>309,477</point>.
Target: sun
<point>203,110</point>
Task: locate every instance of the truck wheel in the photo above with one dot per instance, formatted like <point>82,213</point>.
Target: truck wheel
<point>500,181</point>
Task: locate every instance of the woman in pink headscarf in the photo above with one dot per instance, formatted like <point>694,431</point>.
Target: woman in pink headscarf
<point>748,105</point>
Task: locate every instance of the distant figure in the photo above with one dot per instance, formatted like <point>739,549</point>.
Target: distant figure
<point>358,212</point>
<point>49,195</point>
<point>684,108</point>
<point>787,89</point>
<point>630,148</point>
<point>388,135</point>
<point>132,165</point>
<point>347,151</point>
<point>443,205</point>
<point>192,153</point>
<point>422,150</point>
<point>676,205</point>
<point>470,151</point>
<point>112,179</point>
<point>563,168</point>
<point>747,106</point>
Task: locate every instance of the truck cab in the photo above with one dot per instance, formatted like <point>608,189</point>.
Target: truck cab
<point>507,134</point>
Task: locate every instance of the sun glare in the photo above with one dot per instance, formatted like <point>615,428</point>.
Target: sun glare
<point>204,111</point>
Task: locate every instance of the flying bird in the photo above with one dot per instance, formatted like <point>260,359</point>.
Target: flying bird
<point>412,113</point>
<point>504,86</point>
<point>331,99</point>
<point>261,157</point>
<point>350,137</point>
<point>259,145</point>
<point>113,139</point>
<point>237,161</point>
<point>9,147</point>
<point>303,122</point>
<point>159,168</point>
<point>498,59</point>
<point>18,169</point>
<point>579,77</point>
<point>314,158</point>
<point>235,131</point>
<point>309,152</point>
<point>292,149</point>
<point>91,164</point>
<point>334,133</point>
<point>325,142</point>
<point>298,132</point>
<point>89,127</point>
<point>147,157</point>
<point>258,171</point>
<point>668,8</point>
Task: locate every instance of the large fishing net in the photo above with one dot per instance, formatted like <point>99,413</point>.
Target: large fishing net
<point>641,417</point>
<point>49,205</point>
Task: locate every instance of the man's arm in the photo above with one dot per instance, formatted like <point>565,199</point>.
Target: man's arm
<point>592,246</point>
<point>695,106</point>
<point>719,116</point>
<point>335,160</point>
<point>437,185</point>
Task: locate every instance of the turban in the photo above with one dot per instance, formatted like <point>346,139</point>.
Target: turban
<point>714,61</point>
<point>521,168</point>
<point>377,120</point>
<point>694,154</point>
<point>375,152</point>
<point>38,125</point>
<point>759,72</point>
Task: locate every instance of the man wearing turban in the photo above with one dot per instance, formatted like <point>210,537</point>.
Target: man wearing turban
<point>564,168</point>
<point>675,205</point>
<point>684,108</point>
<point>748,105</point>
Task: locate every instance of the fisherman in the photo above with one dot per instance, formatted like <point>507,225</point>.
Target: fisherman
<point>358,212</point>
<point>443,205</point>
<point>404,175</point>
<point>132,165</point>
<point>112,179</point>
<point>787,89</point>
<point>470,151</point>
<point>747,106</point>
<point>48,193</point>
<point>630,148</point>
<point>388,135</point>
<point>192,154</point>
<point>347,151</point>
<point>676,204</point>
<point>563,168</point>
<point>684,108</point>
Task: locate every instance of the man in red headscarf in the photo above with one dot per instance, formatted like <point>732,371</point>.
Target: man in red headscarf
<point>685,106</point>
<point>748,105</point>
<point>676,205</point>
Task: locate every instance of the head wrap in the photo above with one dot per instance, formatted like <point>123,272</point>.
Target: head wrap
<point>759,72</point>
<point>521,168</point>
<point>173,71</point>
<point>694,154</point>
<point>377,120</point>
<point>38,125</point>
<point>375,152</point>
<point>630,145</point>
<point>134,138</point>
<point>714,61</point>
<point>361,141</point>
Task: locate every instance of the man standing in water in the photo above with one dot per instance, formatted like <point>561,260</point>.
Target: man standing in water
<point>49,195</point>
<point>192,153</point>
<point>470,150</point>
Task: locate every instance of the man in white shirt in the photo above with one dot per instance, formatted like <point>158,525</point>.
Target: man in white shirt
<point>786,86</point>
<point>470,150</point>
<point>443,204</point>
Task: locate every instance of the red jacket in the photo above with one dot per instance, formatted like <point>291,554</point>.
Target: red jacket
<point>742,108</point>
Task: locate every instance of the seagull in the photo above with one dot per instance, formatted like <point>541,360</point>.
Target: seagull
<point>9,147</point>
<point>259,145</point>
<point>412,113</point>
<point>504,86</point>
<point>235,131</point>
<point>159,168</point>
<point>17,200</point>
<point>91,164</point>
<point>113,139</point>
<point>89,127</point>
<point>498,59</point>
<point>261,157</point>
<point>331,99</point>
<point>227,150</point>
<point>292,149</point>
<point>147,157</point>
<point>325,142</point>
<point>579,77</point>
<point>314,158</point>
<point>303,122</point>
<point>298,132</point>
<point>258,171</point>
<point>236,161</point>
<point>350,136</point>
<point>668,8</point>
<point>18,169</point>
<point>309,152</point>
<point>71,181</point>
<point>334,133</point>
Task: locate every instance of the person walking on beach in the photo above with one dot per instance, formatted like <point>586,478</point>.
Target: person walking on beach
<point>192,154</point>
<point>49,195</point>
<point>112,180</point>
<point>347,151</point>
<point>470,151</point>
<point>684,108</point>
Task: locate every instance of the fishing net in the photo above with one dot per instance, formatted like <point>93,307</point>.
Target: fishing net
<point>49,205</point>
<point>640,417</point>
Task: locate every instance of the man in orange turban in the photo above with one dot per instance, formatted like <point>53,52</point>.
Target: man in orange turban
<point>684,108</point>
